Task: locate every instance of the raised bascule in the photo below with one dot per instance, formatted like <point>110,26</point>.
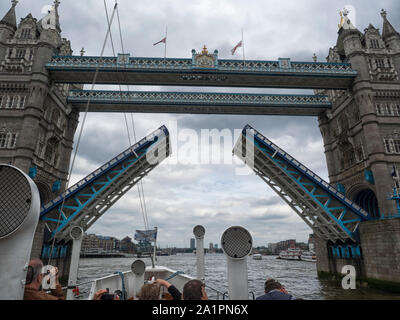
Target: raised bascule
<point>357,101</point>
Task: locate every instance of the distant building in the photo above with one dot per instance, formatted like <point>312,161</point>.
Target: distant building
<point>127,246</point>
<point>272,247</point>
<point>211,246</point>
<point>90,243</point>
<point>216,246</point>
<point>192,244</point>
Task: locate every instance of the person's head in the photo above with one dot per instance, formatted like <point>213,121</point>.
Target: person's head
<point>194,290</point>
<point>272,284</point>
<point>34,275</point>
<point>150,291</point>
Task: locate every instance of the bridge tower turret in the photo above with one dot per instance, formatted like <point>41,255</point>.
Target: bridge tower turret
<point>8,25</point>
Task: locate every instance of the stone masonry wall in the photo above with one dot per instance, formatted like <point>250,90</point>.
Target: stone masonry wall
<point>380,243</point>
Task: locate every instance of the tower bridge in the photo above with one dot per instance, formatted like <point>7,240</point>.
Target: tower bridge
<point>357,101</point>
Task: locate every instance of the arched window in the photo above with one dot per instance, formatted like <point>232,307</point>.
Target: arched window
<point>51,149</point>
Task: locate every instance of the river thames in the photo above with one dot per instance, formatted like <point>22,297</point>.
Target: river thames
<point>298,277</point>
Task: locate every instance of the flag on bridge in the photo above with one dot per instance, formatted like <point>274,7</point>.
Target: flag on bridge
<point>164,40</point>
<point>143,235</point>
<point>240,44</point>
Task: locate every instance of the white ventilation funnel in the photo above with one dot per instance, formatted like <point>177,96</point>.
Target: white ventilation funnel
<point>199,233</point>
<point>19,216</point>
<point>236,242</point>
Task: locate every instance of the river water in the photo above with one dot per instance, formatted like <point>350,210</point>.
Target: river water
<point>298,277</point>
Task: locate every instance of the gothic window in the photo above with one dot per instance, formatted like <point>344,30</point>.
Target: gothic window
<point>9,102</point>
<point>1,101</point>
<point>380,63</point>
<point>3,140</point>
<point>8,140</point>
<point>389,110</point>
<point>397,109</point>
<point>378,109</point>
<point>396,145</point>
<point>21,102</point>
<point>374,44</point>
<point>51,150</point>
<point>21,53</point>
<point>392,145</point>
<point>26,34</point>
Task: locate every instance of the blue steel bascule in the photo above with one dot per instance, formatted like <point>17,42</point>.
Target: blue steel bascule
<point>324,209</point>
<point>86,201</point>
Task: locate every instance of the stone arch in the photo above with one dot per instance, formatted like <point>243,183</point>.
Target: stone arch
<point>44,192</point>
<point>365,197</point>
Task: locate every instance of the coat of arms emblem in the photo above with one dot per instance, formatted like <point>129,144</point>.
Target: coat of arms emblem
<point>205,60</point>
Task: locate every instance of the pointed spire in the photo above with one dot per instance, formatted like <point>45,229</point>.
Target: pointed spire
<point>10,17</point>
<point>388,29</point>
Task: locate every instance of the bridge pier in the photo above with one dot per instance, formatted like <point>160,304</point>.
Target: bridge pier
<point>380,253</point>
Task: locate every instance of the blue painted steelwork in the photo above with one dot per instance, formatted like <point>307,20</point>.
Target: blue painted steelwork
<point>327,211</point>
<point>83,203</point>
<point>348,251</point>
<point>174,64</point>
<point>205,71</point>
<point>290,104</point>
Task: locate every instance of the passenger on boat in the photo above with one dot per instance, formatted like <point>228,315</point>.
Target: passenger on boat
<point>172,290</point>
<point>34,278</point>
<point>150,291</point>
<point>192,290</point>
<point>275,291</point>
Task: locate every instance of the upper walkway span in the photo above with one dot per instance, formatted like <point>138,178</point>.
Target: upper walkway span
<point>199,71</point>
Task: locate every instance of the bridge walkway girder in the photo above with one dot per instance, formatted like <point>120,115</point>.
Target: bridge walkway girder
<point>199,102</point>
<point>328,212</point>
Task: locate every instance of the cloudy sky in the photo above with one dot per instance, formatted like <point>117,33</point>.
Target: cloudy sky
<point>180,196</point>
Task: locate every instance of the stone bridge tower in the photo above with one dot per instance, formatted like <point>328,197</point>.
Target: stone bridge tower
<point>362,137</point>
<point>37,126</point>
<point>362,133</point>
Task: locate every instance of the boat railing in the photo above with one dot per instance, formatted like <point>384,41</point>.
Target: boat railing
<point>218,293</point>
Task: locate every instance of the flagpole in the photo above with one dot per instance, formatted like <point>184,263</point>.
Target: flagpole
<point>243,49</point>
<point>166,40</point>
<point>155,249</point>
